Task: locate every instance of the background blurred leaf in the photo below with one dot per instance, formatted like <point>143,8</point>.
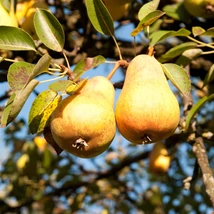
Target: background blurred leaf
<point>49,30</point>
<point>210,76</point>
<point>196,108</point>
<point>177,11</point>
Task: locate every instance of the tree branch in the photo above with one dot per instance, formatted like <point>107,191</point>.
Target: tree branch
<point>71,187</point>
<point>200,153</point>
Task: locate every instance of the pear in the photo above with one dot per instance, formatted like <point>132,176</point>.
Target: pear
<point>200,8</point>
<point>117,8</point>
<point>146,111</point>
<point>159,159</point>
<point>84,123</point>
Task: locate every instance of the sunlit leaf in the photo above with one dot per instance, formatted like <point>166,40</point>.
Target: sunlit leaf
<point>146,21</point>
<point>18,75</point>
<point>72,89</point>
<point>176,51</point>
<point>49,30</point>
<point>196,108</point>
<point>178,76</point>
<point>87,64</point>
<point>41,109</point>
<point>12,38</point>
<point>209,32</point>
<point>163,34</point>
<point>210,76</point>
<point>197,31</point>
<point>61,85</point>
<point>148,8</point>
<point>100,17</point>
<point>187,56</point>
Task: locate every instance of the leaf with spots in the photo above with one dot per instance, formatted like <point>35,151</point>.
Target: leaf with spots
<point>41,109</point>
<point>146,21</point>
<point>18,75</point>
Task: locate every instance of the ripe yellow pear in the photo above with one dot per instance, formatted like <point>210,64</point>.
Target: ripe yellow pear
<point>8,18</point>
<point>84,123</point>
<point>147,111</point>
<point>117,8</point>
<point>200,8</point>
<point>25,12</point>
<point>159,159</point>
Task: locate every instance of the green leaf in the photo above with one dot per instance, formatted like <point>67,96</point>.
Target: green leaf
<point>61,85</point>
<point>15,39</point>
<point>210,76</point>
<point>148,8</point>
<point>176,51</point>
<point>41,109</point>
<point>87,64</point>
<point>146,21</point>
<point>18,75</point>
<point>16,103</point>
<point>7,110</point>
<point>100,17</point>
<point>41,66</point>
<point>177,11</point>
<point>163,34</point>
<point>178,77</point>
<point>49,30</point>
<point>197,31</point>
<point>187,56</point>
<point>209,32</point>
<point>195,109</point>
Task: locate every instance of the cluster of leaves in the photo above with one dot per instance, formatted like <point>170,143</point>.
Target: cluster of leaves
<point>114,181</point>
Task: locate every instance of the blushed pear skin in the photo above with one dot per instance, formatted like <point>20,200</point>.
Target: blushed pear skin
<point>84,123</point>
<point>147,111</point>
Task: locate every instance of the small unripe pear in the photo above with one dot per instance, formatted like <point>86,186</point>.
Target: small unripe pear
<point>147,110</point>
<point>84,123</point>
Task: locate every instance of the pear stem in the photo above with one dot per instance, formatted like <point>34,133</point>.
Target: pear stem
<point>119,63</point>
<point>146,139</point>
<point>150,51</point>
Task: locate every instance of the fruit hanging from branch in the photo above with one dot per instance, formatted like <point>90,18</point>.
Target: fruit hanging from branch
<point>84,123</point>
<point>147,110</point>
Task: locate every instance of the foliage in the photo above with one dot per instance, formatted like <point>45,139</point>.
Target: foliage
<point>83,36</point>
